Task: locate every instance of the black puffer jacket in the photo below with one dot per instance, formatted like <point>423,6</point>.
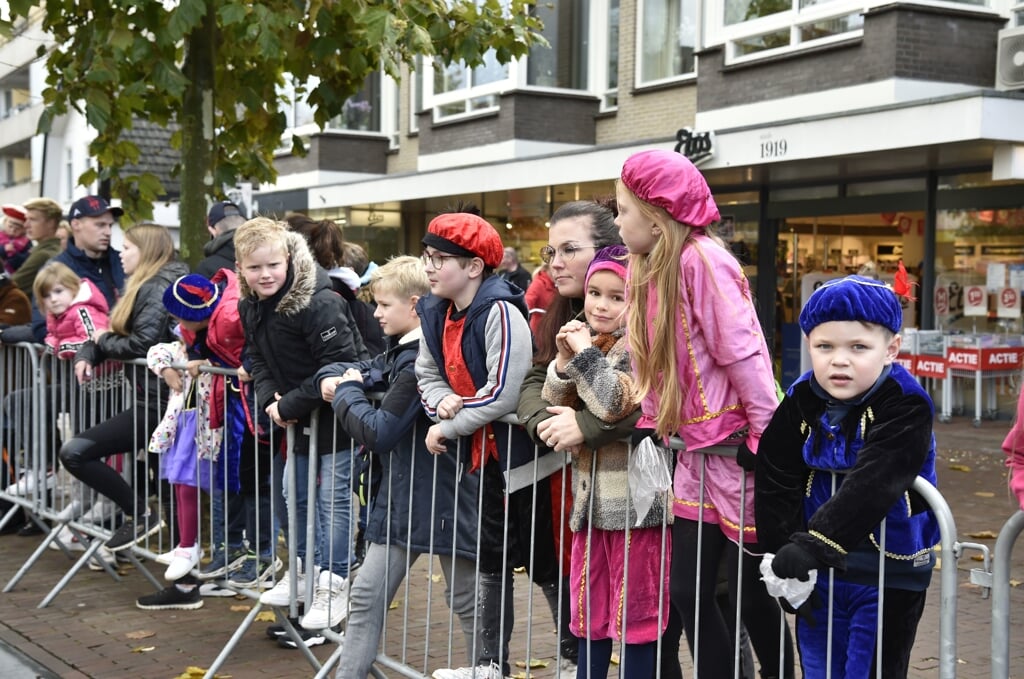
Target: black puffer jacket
<point>293,334</point>
<point>148,324</point>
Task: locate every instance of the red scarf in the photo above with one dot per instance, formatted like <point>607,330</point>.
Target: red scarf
<point>462,384</point>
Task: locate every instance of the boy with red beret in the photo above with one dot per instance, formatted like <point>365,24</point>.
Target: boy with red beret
<point>475,352</point>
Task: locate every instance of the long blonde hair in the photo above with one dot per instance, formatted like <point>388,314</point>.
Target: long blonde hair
<point>156,248</point>
<point>654,352</point>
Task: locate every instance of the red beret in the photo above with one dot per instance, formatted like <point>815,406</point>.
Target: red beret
<point>15,212</point>
<point>667,180</point>
<point>466,235</point>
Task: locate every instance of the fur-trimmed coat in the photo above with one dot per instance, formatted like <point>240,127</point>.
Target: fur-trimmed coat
<point>290,336</point>
<point>599,379</point>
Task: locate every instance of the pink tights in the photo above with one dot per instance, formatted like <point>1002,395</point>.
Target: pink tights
<point>188,514</point>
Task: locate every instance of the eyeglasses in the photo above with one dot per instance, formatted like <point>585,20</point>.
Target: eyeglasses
<point>567,252</point>
<point>436,260</point>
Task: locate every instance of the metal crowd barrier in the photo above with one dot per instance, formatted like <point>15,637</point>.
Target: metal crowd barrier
<point>415,639</point>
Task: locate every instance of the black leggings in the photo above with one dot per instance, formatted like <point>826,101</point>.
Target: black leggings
<point>760,612</point>
<point>125,432</point>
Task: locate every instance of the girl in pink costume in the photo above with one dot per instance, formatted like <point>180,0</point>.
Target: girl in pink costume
<point>701,361</point>
<point>74,308</point>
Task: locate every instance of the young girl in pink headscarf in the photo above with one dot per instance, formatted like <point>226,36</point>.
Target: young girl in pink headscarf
<point>592,372</point>
<point>701,361</point>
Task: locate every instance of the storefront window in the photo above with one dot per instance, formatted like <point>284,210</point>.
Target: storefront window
<point>362,112</point>
<point>667,39</point>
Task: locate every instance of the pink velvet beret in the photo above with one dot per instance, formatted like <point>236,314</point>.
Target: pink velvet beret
<point>668,180</point>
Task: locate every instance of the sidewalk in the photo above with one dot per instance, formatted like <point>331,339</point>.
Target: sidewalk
<point>87,631</point>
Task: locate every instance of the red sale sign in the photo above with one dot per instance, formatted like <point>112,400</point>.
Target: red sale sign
<point>1008,358</point>
<point>930,366</point>
<point>907,361</point>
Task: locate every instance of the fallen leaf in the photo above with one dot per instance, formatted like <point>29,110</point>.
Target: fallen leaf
<point>977,557</point>
<point>436,577</point>
<point>241,608</point>
<point>983,535</point>
<point>140,634</point>
<point>615,658</point>
<point>266,616</point>
<point>393,606</point>
<point>534,663</point>
<point>143,649</point>
<point>1015,583</point>
<point>984,493</point>
<point>959,468</point>
<point>193,672</point>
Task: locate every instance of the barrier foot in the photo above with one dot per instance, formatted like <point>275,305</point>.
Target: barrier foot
<point>27,566</point>
<point>328,665</point>
<point>73,571</point>
<point>233,641</point>
<point>9,515</point>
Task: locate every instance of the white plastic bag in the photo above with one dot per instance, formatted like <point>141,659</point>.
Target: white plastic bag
<point>793,590</point>
<point>648,476</point>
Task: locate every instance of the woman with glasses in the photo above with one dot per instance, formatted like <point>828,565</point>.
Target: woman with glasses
<point>578,229</point>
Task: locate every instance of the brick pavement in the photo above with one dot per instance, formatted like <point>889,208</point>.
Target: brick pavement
<point>84,632</point>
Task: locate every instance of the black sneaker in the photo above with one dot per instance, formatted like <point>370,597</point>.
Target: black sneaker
<point>171,597</point>
<point>134,531</point>
<point>276,631</point>
<point>309,639</point>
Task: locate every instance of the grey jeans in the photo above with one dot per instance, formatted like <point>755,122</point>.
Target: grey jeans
<point>377,582</point>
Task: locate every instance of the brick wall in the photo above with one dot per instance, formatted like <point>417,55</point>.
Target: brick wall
<point>921,43</point>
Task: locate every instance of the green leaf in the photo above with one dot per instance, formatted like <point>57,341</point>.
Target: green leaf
<point>97,109</point>
<point>232,13</point>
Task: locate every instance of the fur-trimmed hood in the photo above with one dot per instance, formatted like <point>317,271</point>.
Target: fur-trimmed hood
<point>304,279</point>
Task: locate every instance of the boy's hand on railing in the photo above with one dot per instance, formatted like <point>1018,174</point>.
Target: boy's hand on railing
<point>173,379</point>
<point>745,458</point>
<point>793,561</point>
<point>193,367</point>
<point>449,405</point>
<point>275,416</point>
<point>436,442</point>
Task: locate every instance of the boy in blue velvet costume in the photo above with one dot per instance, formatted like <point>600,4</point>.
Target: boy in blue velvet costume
<point>863,419</point>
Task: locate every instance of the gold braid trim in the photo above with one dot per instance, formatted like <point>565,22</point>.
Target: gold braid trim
<point>622,590</point>
<point>700,383</point>
<point>581,599</point>
<point>810,480</point>
<point>828,541</point>
<point>899,557</point>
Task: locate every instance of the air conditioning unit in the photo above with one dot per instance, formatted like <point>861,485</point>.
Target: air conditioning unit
<point>1010,59</point>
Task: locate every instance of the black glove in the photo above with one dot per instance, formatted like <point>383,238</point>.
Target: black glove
<point>745,459</point>
<point>793,561</point>
<point>806,610</point>
<point>639,435</point>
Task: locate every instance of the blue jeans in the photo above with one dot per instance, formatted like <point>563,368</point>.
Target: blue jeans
<point>332,532</point>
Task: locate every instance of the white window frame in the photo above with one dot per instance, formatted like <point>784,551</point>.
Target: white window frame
<point>792,20</point>
<point>597,55</point>
<point>434,101</point>
<point>639,47</point>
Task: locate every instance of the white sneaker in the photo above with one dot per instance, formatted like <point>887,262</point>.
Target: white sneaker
<point>279,594</point>
<point>70,511</point>
<point>330,602</point>
<point>491,671</point>
<point>67,538</point>
<point>26,485</point>
<point>184,560</point>
<point>566,669</point>
<point>105,555</point>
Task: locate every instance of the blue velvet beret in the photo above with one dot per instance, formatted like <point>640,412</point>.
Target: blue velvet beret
<point>854,298</point>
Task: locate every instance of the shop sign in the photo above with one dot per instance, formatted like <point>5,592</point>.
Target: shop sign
<point>964,359</point>
<point>1002,250</point>
<point>975,300</point>
<point>696,146</point>
<point>985,360</point>
<point>1009,303</point>
<point>1005,358</point>
<point>929,366</point>
<point>907,361</point>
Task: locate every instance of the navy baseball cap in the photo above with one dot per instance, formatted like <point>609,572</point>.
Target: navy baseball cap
<point>220,210</point>
<point>92,206</point>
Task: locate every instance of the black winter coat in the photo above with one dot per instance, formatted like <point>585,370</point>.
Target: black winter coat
<point>290,336</point>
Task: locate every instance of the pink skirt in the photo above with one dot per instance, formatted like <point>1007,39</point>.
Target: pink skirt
<point>596,584</point>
